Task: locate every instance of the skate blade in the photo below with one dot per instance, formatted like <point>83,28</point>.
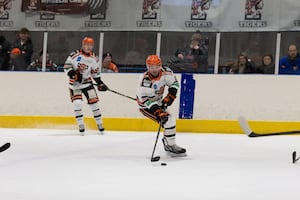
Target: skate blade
<point>101,132</point>
<point>175,155</point>
<point>81,133</point>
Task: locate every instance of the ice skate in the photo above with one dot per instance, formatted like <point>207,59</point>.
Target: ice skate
<point>81,129</point>
<point>174,150</point>
<point>101,129</point>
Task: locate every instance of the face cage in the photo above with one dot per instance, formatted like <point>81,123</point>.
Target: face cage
<point>153,68</point>
<point>87,47</point>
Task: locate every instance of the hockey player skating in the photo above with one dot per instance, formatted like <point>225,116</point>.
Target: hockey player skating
<point>81,66</point>
<point>153,105</point>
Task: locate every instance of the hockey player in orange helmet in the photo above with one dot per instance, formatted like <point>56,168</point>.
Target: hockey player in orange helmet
<point>82,68</point>
<point>153,104</point>
<point>153,63</point>
<point>87,44</point>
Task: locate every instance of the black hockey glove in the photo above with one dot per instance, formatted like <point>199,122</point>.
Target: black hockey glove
<point>100,85</point>
<point>169,99</point>
<point>76,76</point>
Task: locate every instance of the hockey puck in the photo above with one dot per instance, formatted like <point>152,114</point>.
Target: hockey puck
<point>163,164</point>
<point>5,146</point>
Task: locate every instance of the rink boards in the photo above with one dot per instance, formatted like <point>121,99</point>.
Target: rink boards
<point>41,100</point>
<point>131,124</point>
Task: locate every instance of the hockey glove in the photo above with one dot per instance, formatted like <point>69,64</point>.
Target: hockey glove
<point>161,115</point>
<point>76,76</point>
<point>102,87</point>
<point>168,100</point>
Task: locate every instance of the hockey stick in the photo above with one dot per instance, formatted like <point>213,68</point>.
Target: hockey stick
<point>113,91</point>
<point>4,147</point>
<point>156,158</point>
<point>247,130</point>
<point>124,95</point>
<point>295,159</point>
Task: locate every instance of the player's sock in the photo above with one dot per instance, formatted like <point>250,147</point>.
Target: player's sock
<point>97,116</point>
<point>79,114</point>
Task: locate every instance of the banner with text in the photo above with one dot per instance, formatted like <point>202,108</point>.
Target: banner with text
<point>152,15</point>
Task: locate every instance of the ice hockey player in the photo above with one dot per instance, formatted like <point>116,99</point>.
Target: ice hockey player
<point>152,104</point>
<point>82,67</point>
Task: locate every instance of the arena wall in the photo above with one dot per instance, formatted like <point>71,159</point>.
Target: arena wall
<point>41,100</point>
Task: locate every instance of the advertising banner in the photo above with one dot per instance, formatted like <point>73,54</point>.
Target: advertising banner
<point>152,15</point>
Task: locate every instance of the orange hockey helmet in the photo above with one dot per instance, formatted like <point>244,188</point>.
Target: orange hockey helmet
<point>153,63</point>
<point>153,60</point>
<point>88,40</point>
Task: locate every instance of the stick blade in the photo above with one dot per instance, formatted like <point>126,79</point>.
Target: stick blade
<point>245,126</point>
<point>294,155</point>
<point>155,159</point>
<point>4,147</point>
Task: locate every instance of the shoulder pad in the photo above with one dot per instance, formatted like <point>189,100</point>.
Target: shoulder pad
<point>146,76</point>
<point>74,53</point>
<point>146,83</point>
<point>166,69</point>
<point>93,54</point>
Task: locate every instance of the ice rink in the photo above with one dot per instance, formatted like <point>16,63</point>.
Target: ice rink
<point>61,165</point>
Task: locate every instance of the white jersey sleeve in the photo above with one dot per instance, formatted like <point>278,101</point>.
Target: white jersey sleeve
<point>95,69</point>
<point>170,78</point>
<point>69,64</point>
<point>145,92</point>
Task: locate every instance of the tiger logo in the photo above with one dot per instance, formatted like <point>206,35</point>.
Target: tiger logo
<point>199,8</point>
<point>150,9</point>
<point>5,6</point>
<point>253,9</point>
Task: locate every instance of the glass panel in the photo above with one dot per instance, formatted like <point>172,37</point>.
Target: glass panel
<point>61,44</point>
<point>194,60</point>
<point>288,38</point>
<point>253,45</point>
<point>130,49</point>
<point>290,62</point>
<point>21,60</point>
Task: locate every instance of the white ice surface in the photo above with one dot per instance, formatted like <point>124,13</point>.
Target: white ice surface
<point>60,165</point>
